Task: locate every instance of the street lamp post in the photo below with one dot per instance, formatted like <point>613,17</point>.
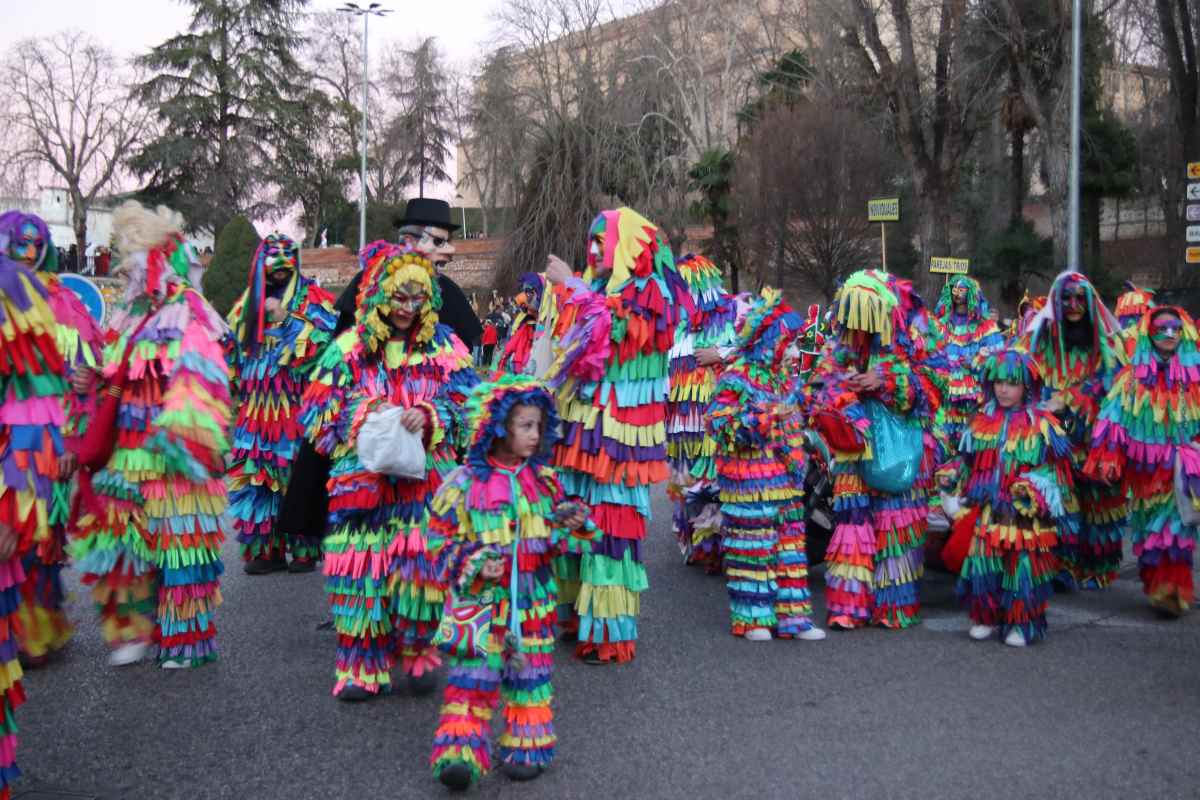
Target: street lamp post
<point>462,208</point>
<point>1073,261</point>
<point>378,10</point>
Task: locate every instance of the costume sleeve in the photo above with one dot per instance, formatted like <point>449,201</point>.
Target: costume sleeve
<point>899,388</point>
<point>309,328</point>
<point>191,429</point>
<point>446,411</point>
<point>735,421</point>
<point>585,331</point>
<point>1110,434</point>
<point>1040,491</point>
<point>578,541</point>
<point>462,553</point>
<point>326,408</point>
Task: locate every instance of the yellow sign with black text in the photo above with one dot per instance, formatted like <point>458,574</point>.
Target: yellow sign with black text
<point>949,266</point>
<point>1193,255</point>
<point>886,209</point>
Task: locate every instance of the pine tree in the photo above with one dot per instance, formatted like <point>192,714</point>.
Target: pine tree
<point>229,271</point>
<point>424,123</point>
<point>223,92</point>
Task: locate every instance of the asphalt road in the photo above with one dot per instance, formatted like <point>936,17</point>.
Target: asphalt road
<point>1106,707</point>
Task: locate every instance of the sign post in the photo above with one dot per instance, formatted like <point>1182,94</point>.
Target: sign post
<point>1192,213</point>
<point>883,210</point>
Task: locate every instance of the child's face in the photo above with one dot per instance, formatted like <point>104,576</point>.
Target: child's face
<point>524,431</point>
<point>1008,394</point>
<point>1165,332</point>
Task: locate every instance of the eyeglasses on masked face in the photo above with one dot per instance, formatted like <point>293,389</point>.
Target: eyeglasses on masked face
<point>438,241</point>
<point>409,301</point>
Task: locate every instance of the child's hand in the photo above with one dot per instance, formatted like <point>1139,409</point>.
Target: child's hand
<point>493,569</point>
<point>946,482</point>
<point>413,420</point>
<point>570,515</point>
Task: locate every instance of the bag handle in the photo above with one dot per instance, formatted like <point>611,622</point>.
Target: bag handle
<point>514,611</point>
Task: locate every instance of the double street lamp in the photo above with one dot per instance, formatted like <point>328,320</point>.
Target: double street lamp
<point>374,9</point>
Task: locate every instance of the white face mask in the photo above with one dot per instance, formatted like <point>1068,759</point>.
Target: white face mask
<point>793,352</point>
<point>595,250</point>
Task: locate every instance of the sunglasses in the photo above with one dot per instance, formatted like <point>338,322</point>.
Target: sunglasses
<point>414,301</point>
<point>438,241</point>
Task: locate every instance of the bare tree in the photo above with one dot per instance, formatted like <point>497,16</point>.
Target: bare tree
<point>72,114</point>
<point>922,59</point>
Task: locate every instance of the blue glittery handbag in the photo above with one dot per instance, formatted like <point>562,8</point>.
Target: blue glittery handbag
<point>897,445</point>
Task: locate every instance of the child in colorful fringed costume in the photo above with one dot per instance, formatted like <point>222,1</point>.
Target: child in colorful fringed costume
<point>1074,340</point>
<point>44,628</point>
<point>149,538</point>
<point>1019,463</point>
<point>380,582</point>
<point>1144,433</point>
<point>760,470</point>
<point>280,324</point>
<point>968,334</point>
<point>875,557</point>
<point>614,331</point>
<point>31,391</point>
<point>515,358</point>
<point>696,355</point>
<point>504,511</point>
<point>1131,305</point>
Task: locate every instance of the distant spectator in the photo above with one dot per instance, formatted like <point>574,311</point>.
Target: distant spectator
<point>72,259</point>
<point>103,261</point>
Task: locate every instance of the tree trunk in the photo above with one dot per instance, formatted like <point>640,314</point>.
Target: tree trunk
<point>933,226</point>
<point>79,223</point>
<point>1016,207</point>
<point>1092,203</point>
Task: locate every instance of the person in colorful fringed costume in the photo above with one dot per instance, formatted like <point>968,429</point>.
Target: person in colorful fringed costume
<point>1131,305</point>
<point>1074,340</point>
<point>149,536</point>
<point>614,333</point>
<point>1145,431</point>
<point>968,335</point>
<point>702,342</point>
<point>44,628</point>
<point>31,388</point>
<point>280,324</point>
<point>379,576</point>
<point>760,464</point>
<point>516,357</point>
<point>875,556</point>
<point>1027,310</point>
<point>1019,470</point>
<point>504,510</point>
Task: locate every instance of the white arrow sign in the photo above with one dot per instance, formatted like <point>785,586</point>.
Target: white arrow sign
<point>1193,213</point>
<point>1193,191</point>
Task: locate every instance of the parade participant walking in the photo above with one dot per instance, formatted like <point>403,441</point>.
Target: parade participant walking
<point>44,628</point>
<point>760,466</point>
<point>504,518</point>
<point>968,335</point>
<point>872,383</point>
<point>614,331</point>
<point>31,388</point>
<point>1074,340</point>
<point>1132,305</point>
<point>1019,470</point>
<point>705,337</point>
<point>280,324</point>
<point>1143,438</point>
<point>382,591</point>
<point>149,538</point>
<point>516,358</point>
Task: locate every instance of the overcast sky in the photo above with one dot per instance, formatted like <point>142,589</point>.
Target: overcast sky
<point>131,27</point>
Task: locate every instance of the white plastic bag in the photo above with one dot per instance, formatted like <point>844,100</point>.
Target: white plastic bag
<point>387,447</point>
<point>1183,499</point>
<point>541,356</point>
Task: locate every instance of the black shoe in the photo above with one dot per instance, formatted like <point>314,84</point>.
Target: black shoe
<point>302,565</point>
<point>520,772</point>
<point>422,685</point>
<point>456,776</point>
<point>593,659</point>
<point>265,566</point>
<point>353,693</point>
<point>569,636</point>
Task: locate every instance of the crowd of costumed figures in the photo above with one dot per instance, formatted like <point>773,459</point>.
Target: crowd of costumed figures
<point>466,522</point>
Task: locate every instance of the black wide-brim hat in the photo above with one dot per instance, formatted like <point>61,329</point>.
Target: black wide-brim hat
<point>425,211</point>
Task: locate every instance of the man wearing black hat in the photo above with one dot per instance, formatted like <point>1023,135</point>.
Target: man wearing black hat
<point>427,227</point>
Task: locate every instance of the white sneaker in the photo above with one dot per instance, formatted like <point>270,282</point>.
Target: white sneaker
<point>128,653</point>
<point>812,635</point>
<point>981,632</point>
<point>758,635</point>
<point>1015,638</point>
<point>175,663</point>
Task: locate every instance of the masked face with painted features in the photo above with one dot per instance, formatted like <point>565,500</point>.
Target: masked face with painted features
<point>1166,330</point>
